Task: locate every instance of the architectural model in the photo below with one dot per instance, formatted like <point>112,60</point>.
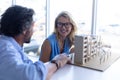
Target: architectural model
<point>92,53</point>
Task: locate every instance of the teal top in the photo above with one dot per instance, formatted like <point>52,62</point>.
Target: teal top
<point>55,49</point>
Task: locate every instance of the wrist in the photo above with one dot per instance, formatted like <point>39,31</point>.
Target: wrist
<point>56,63</point>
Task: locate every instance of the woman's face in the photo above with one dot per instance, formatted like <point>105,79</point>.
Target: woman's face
<point>64,27</point>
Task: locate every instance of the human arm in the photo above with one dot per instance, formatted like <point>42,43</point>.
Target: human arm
<point>61,60</point>
<point>26,69</point>
<point>45,51</point>
<point>21,67</point>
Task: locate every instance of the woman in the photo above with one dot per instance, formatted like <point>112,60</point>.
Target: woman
<point>61,40</point>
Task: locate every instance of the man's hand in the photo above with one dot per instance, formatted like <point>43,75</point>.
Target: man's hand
<point>61,60</point>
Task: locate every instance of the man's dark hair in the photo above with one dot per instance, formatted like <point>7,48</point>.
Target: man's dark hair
<point>15,20</point>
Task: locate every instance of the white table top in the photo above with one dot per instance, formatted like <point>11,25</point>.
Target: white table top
<point>71,72</point>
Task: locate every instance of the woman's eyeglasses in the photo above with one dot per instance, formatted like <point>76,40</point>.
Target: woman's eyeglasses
<point>67,25</point>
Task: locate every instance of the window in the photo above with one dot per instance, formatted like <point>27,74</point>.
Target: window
<point>4,5</point>
<point>39,7</point>
<point>108,23</point>
<point>107,19</point>
<point>81,11</point>
<point>105,12</point>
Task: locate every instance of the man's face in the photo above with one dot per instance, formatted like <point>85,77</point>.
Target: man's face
<point>28,34</point>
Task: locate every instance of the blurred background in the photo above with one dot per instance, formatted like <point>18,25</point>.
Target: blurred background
<point>96,17</point>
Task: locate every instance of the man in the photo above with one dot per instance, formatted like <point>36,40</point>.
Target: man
<point>16,28</point>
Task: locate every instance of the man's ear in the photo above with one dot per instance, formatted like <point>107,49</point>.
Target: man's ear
<point>24,32</point>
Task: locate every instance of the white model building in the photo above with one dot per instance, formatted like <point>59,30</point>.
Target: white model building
<point>86,48</point>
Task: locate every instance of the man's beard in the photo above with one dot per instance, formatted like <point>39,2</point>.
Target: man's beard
<point>28,40</point>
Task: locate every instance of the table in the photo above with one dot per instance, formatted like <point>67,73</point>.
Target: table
<point>72,72</point>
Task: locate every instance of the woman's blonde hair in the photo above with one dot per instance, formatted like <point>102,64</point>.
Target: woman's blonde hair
<point>67,15</point>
